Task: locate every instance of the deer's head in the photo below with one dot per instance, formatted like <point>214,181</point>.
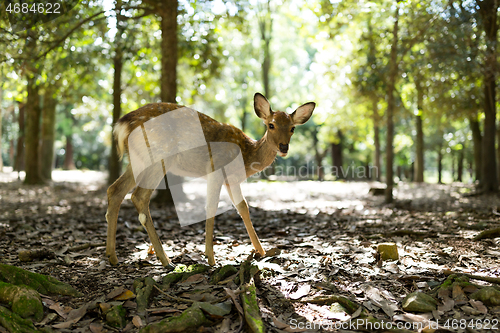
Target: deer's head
<point>281,125</point>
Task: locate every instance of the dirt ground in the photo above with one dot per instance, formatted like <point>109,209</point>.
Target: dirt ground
<point>323,237</point>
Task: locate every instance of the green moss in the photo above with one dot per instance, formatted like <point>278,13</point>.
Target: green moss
<point>116,316</point>
<point>188,321</point>
<point>23,300</point>
<point>181,273</point>
<point>223,273</point>
<point>251,308</point>
<point>143,291</point>
<point>41,283</point>
<point>15,323</point>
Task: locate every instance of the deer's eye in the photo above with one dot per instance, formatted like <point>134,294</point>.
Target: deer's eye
<point>293,129</point>
<point>271,126</point>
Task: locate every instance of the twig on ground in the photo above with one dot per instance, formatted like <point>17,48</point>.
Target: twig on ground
<point>475,277</point>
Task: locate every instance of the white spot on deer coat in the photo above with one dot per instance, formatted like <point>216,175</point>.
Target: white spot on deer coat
<point>142,219</point>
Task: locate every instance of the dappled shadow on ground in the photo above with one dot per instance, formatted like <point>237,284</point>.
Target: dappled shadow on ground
<point>323,234</point>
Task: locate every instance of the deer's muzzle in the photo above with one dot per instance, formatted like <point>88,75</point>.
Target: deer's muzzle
<point>283,148</point>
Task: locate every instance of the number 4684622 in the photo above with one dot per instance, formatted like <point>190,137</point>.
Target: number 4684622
<point>41,8</point>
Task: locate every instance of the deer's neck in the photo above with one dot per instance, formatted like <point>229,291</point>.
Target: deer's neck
<point>260,155</point>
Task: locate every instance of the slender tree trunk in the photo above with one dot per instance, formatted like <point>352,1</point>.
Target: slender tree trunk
<point>452,155</point>
<point>69,162</point>
<point>19,162</point>
<point>318,155</point>
<point>48,133</point>
<point>419,165</point>
<point>337,158</point>
<point>168,91</point>
<point>169,45</point>
<point>114,160</point>
<point>244,102</point>
<point>376,139</point>
<point>32,165</point>
<point>478,147</point>
<point>1,116</point>
<point>11,152</point>
<point>488,11</point>
<point>114,166</point>
<point>460,162</point>
<point>498,152</point>
<point>390,109</point>
<point>440,165</point>
<point>266,28</point>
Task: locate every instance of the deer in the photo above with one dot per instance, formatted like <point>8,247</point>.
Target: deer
<point>257,155</point>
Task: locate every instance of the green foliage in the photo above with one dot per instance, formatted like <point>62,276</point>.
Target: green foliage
<point>333,52</point>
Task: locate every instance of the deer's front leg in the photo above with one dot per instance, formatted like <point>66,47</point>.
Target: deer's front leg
<point>241,205</point>
<point>214,185</point>
<point>116,193</point>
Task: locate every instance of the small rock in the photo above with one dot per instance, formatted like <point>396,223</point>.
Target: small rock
<point>116,316</point>
<point>224,272</point>
<point>419,302</point>
<point>388,251</point>
<point>487,295</point>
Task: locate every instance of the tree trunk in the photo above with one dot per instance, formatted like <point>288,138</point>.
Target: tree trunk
<point>114,164</point>
<point>488,11</point>
<point>32,134</point>
<point>1,114</point>
<point>452,155</point>
<point>169,45</point>
<point>498,152</point>
<point>318,156</point>
<point>243,103</point>
<point>477,140</point>
<point>266,28</point>
<point>48,133</point>
<point>11,152</point>
<point>19,162</point>
<point>376,139</point>
<point>460,162</point>
<point>337,158</point>
<point>440,166</point>
<point>69,162</point>
<point>168,91</point>
<point>390,109</point>
<point>419,163</point>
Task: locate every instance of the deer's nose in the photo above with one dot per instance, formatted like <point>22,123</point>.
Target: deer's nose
<point>283,148</point>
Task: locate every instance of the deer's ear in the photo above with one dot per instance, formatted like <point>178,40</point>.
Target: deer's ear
<point>261,106</point>
<point>303,113</point>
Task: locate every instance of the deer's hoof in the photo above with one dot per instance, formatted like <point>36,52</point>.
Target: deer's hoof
<point>170,267</point>
<point>211,261</point>
<point>113,259</point>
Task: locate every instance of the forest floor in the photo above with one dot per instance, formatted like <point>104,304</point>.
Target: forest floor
<point>323,237</point>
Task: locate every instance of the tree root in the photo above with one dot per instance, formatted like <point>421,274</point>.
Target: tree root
<point>41,283</point>
<point>490,233</point>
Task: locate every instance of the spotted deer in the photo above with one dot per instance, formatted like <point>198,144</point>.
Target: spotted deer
<point>257,155</point>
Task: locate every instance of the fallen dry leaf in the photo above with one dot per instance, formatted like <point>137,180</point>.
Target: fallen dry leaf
<point>125,295</point>
<point>137,321</point>
<point>302,291</point>
<point>73,317</point>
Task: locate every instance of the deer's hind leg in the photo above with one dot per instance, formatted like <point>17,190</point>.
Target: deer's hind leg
<point>141,198</point>
<point>214,185</point>
<point>116,194</point>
